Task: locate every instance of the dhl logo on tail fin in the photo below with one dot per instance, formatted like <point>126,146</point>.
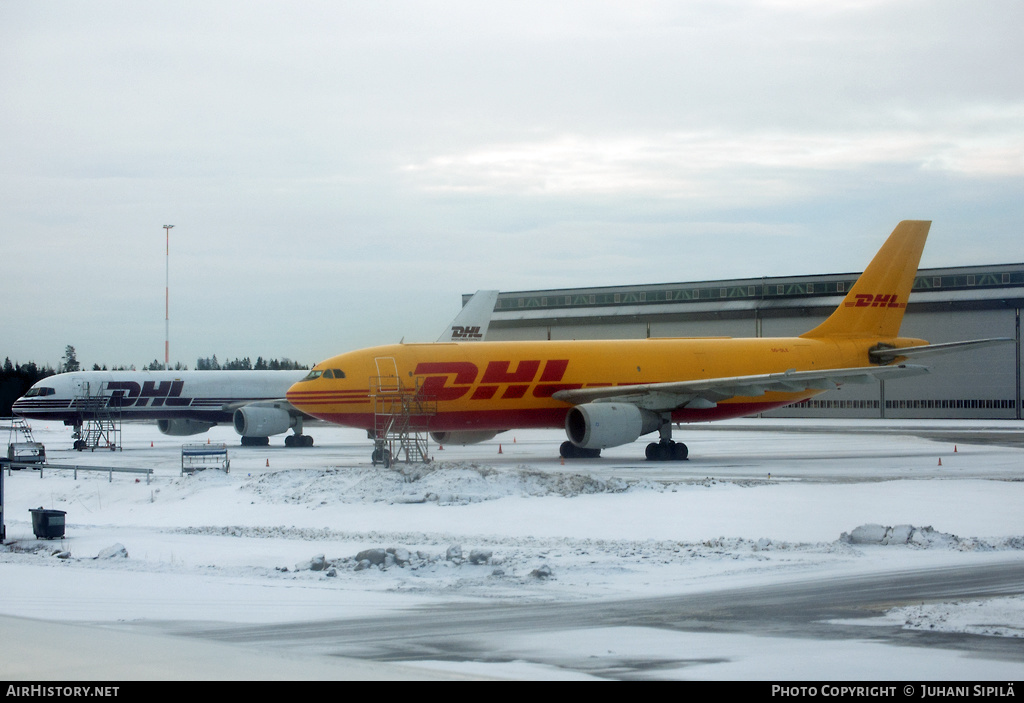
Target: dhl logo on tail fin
<point>875,305</point>
<point>866,300</point>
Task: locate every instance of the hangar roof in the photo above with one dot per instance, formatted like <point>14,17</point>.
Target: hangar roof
<point>972,286</point>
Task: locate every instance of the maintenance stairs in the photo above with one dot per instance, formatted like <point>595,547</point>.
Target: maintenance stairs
<point>18,426</point>
<point>401,422</point>
<point>100,426</point>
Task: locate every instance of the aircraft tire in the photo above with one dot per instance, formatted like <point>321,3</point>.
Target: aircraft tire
<point>289,441</point>
<point>680,452</point>
<point>568,450</point>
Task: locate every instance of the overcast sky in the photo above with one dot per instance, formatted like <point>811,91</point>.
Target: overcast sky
<point>338,174</point>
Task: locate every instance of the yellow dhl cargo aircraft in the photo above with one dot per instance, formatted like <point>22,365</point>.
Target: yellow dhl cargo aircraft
<point>607,393</point>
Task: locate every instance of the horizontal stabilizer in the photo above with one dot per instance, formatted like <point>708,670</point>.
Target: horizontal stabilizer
<point>885,354</point>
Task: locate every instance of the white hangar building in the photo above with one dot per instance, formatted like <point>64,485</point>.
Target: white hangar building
<point>946,305</point>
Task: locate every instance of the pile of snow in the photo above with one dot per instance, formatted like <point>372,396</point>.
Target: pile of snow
<point>925,538</point>
<point>990,617</point>
<point>399,557</point>
<point>114,551</point>
<point>435,562</point>
<point>446,483</point>
<point>995,617</point>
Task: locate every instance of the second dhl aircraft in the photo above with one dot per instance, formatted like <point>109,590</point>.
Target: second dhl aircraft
<point>607,393</point>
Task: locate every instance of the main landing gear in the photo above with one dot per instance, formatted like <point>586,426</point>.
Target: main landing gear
<point>292,440</point>
<point>666,449</point>
<point>656,451</point>
<point>298,440</point>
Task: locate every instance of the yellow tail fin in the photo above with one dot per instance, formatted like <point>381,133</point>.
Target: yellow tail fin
<point>875,305</point>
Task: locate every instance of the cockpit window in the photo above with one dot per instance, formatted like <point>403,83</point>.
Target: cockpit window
<point>40,391</point>
<point>324,373</point>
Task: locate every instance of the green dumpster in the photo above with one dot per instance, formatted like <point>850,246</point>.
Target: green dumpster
<point>47,524</point>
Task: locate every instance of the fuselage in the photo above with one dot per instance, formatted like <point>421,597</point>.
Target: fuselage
<point>204,396</point>
<point>505,385</point>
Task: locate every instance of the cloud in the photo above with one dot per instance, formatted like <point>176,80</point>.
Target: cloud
<point>722,165</point>
<point>341,172</point>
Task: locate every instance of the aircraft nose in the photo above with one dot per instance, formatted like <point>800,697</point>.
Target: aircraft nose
<point>299,396</point>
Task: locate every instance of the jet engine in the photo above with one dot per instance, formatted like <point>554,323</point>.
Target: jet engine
<point>462,437</point>
<point>261,421</point>
<point>602,425</point>
<point>182,427</point>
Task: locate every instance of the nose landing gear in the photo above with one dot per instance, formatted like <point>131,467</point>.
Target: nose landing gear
<point>381,455</point>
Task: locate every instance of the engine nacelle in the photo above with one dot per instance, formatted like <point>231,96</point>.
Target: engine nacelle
<point>463,436</point>
<point>261,421</point>
<point>602,425</point>
<point>183,428</point>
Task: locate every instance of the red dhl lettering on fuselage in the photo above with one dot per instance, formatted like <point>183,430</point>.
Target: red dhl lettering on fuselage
<point>451,380</point>
<point>876,300</point>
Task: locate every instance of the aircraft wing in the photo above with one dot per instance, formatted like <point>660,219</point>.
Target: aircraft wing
<point>884,354</point>
<point>707,393</point>
<point>277,404</point>
<point>265,403</point>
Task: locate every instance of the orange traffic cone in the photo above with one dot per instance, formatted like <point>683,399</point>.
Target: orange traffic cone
<point>954,449</point>
<point>268,463</point>
<point>440,447</point>
<point>940,461</point>
<point>499,449</point>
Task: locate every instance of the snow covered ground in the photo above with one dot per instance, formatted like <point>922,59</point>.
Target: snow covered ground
<point>292,535</point>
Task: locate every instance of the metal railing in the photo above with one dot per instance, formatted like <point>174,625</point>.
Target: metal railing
<point>111,470</point>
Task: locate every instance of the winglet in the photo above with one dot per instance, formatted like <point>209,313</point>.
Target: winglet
<point>470,325</point>
<point>875,305</point>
